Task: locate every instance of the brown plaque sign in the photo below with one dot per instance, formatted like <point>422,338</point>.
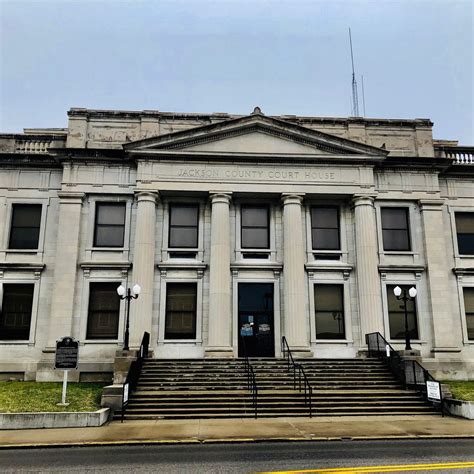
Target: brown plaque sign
<point>67,352</point>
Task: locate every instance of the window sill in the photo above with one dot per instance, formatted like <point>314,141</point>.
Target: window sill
<point>29,251</point>
<point>16,343</point>
<point>333,341</point>
<point>180,341</point>
<point>107,249</point>
<point>402,342</point>
<point>398,252</point>
<point>101,341</point>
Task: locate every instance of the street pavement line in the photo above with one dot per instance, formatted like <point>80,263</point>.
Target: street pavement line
<point>389,468</point>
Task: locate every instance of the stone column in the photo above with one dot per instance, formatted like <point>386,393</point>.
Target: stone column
<point>65,270</point>
<point>445,320</point>
<point>368,279</point>
<point>141,309</point>
<point>220,314</point>
<point>296,319</point>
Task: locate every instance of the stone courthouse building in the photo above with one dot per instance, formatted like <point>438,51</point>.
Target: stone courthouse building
<point>233,225</point>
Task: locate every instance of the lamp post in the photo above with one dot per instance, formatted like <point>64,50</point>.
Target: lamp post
<point>405,295</point>
<point>127,294</point>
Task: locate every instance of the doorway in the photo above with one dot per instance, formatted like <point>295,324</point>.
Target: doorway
<point>256,315</point>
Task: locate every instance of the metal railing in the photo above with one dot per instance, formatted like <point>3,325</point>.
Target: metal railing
<point>251,381</point>
<point>131,381</point>
<point>300,379</point>
<point>409,372</point>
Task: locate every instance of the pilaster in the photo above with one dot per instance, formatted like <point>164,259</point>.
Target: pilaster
<point>65,271</point>
<point>141,309</point>
<point>368,280</point>
<point>445,321</point>
<point>295,317</point>
<point>220,315</point>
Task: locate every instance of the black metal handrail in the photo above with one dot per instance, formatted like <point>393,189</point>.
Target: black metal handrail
<point>134,371</point>
<point>409,372</point>
<point>300,378</point>
<point>251,380</point>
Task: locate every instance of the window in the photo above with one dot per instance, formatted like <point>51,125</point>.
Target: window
<point>465,232</point>
<point>469,310</point>
<point>255,228</point>
<point>396,315</point>
<point>184,224</point>
<point>104,311</point>
<point>395,227</point>
<point>180,311</point>
<point>109,224</point>
<point>15,311</point>
<point>329,311</point>
<point>325,228</point>
<point>25,228</point>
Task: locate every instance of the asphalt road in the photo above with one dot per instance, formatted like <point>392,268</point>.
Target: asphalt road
<point>238,458</point>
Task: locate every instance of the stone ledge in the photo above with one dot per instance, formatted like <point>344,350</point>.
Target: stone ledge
<point>460,408</point>
<point>21,421</point>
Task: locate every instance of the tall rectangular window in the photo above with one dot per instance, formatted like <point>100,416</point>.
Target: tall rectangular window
<point>395,228</point>
<point>465,232</point>
<point>184,226</point>
<point>329,311</point>
<point>15,313</point>
<point>104,311</point>
<point>109,224</point>
<point>469,310</point>
<point>180,311</point>
<point>325,228</point>
<point>396,315</point>
<point>255,227</point>
<point>25,227</point>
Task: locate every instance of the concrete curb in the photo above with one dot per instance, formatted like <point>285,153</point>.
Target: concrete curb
<point>224,441</point>
<point>38,420</point>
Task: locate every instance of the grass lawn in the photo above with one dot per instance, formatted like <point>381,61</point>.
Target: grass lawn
<point>43,396</point>
<point>462,390</point>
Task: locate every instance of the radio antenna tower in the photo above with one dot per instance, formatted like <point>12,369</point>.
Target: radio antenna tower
<point>355,98</point>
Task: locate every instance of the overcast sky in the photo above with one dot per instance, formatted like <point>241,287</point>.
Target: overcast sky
<point>288,57</point>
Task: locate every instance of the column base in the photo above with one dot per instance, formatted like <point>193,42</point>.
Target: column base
<point>219,353</point>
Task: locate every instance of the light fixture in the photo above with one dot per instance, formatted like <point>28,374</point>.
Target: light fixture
<point>121,290</point>
<point>397,291</point>
<point>412,291</point>
<point>136,289</point>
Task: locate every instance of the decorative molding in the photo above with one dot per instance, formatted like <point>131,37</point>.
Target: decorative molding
<point>123,266</point>
<point>259,266</point>
<point>35,268</point>
<point>198,267</point>
<point>313,268</point>
<point>416,269</point>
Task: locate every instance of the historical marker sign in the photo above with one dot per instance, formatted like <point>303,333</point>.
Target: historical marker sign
<point>67,352</point>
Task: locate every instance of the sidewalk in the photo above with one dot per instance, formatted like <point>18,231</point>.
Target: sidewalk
<point>243,430</point>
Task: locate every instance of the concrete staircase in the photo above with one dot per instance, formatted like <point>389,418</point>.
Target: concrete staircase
<point>217,388</point>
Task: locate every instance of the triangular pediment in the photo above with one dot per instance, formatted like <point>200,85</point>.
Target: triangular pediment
<point>254,134</point>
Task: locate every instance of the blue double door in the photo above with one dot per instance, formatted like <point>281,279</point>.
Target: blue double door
<point>256,318</point>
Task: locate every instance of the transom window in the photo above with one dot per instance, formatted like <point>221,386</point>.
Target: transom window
<point>469,310</point>
<point>25,227</point>
<point>109,224</point>
<point>465,232</point>
<point>255,227</point>
<point>104,311</point>
<point>395,229</point>
<point>15,311</point>
<point>325,228</point>
<point>396,315</point>
<point>181,311</point>
<point>329,311</point>
<point>184,226</point>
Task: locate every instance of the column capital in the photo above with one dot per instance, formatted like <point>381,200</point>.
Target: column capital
<point>292,198</point>
<point>220,197</point>
<point>71,197</point>
<point>431,204</point>
<point>145,195</point>
<point>363,200</point>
